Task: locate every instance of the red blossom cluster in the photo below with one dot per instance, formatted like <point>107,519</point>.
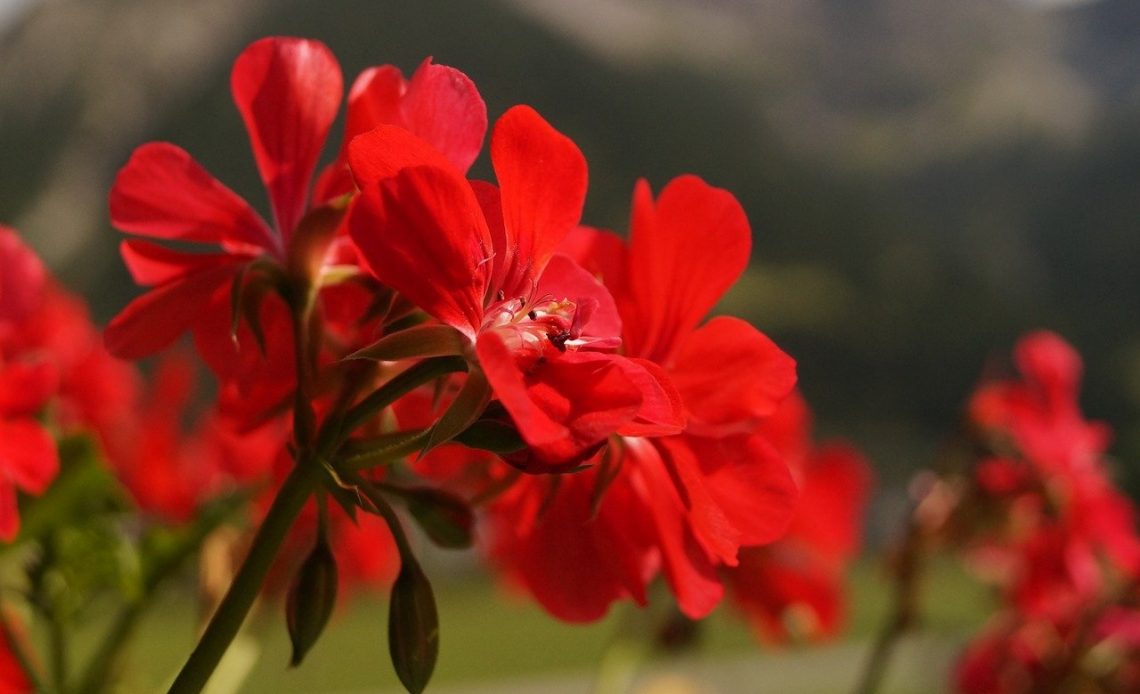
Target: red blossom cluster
<point>397,333</point>
<point>55,377</point>
<point>1042,521</point>
<point>612,435</point>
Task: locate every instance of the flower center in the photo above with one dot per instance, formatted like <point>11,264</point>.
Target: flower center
<point>538,325</point>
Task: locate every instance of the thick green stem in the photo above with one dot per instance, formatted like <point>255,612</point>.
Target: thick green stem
<point>304,479</point>
<point>228,618</point>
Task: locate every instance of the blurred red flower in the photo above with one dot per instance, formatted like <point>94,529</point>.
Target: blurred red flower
<point>794,587</point>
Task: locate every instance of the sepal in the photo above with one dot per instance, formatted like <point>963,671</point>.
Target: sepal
<point>433,340</point>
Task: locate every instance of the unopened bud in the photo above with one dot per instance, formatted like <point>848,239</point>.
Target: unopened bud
<point>311,599</point>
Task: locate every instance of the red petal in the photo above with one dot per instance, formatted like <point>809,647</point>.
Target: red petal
<point>157,318</point>
<point>26,386</point>
<point>769,583</point>
<point>542,178</point>
<point>688,567</point>
<point>163,193</point>
<point>833,496</point>
<point>288,91</point>
<point>563,279</point>
<point>23,277</point>
<point>730,376</point>
<point>422,234</point>
<point>749,482</point>
<point>564,406</point>
<point>9,513</point>
<point>374,99</point>
<point>602,253</point>
<point>444,108</point>
<point>788,429</point>
<point>662,412</point>
<point>151,264</point>
<point>685,252</point>
<point>28,455</point>
<point>574,563</point>
<point>440,105</point>
<point>383,151</point>
<point>707,520</point>
<point>1050,363</point>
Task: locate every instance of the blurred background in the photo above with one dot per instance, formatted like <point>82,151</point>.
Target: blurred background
<point>926,179</point>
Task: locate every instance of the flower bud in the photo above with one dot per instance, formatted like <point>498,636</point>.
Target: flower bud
<point>311,598</point>
<point>413,627</point>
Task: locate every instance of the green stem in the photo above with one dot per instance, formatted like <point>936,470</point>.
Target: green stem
<point>228,618</point>
<point>906,572</point>
<point>401,384</point>
<point>304,419</point>
<point>302,481</point>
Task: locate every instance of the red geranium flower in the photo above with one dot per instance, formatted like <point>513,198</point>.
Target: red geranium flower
<point>681,504</point>
<point>288,91</point>
<point>482,260</point>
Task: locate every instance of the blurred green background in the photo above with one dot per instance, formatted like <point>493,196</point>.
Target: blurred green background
<point>926,179</point>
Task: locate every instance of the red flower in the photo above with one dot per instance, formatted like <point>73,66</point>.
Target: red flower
<point>795,586</point>
<point>1066,514</point>
<point>28,457</point>
<point>1065,554</point>
<point>288,91</point>
<point>680,504</point>
<point>1041,413</point>
<point>170,472</point>
<point>536,321</point>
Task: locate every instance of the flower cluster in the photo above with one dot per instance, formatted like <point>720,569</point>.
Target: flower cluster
<point>1066,554</point>
<point>396,335</point>
<point>393,307</point>
<point>1037,515</point>
<point>55,377</point>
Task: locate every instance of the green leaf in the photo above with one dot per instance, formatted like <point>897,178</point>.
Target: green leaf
<point>311,599</point>
<point>413,626</point>
<point>463,411</point>
<point>415,342</point>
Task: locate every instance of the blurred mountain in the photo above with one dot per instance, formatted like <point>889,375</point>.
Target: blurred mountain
<point>1104,47</point>
<point>926,179</point>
